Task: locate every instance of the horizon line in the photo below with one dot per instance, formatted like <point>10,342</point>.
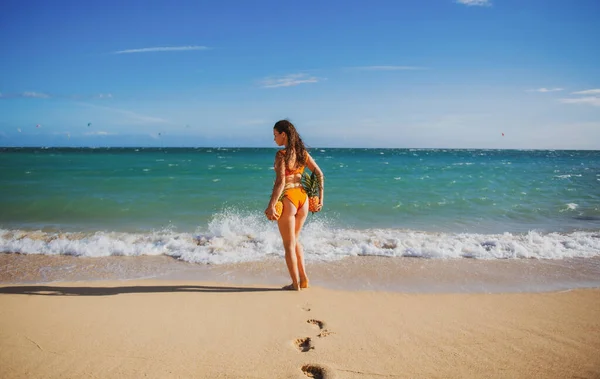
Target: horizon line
<point>277,147</point>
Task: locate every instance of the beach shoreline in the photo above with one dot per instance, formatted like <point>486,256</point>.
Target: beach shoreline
<point>362,273</point>
<point>184,329</point>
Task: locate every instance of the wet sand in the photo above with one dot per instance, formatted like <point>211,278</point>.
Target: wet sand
<point>407,275</point>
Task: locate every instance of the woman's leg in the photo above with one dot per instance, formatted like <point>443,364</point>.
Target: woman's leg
<point>287,227</point>
<point>300,219</point>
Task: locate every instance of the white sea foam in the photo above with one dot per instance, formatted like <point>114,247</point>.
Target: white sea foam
<point>233,237</point>
<point>570,207</point>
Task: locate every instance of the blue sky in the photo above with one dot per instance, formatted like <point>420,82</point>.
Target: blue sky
<point>404,73</point>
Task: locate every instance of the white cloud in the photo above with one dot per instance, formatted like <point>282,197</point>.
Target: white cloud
<point>587,92</point>
<point>98,133</point>
<point>288,81</point>
<point>38,95</point>
<point>142,118</point>
<point>161,49</point>
<point>481,3</point>
<point>61,134</point>
<point>132,116</point>
<point>388,68</point>
<point>544,90</point>
<point>90,97</point>
<point>41,95</point>
<point>591,100</point>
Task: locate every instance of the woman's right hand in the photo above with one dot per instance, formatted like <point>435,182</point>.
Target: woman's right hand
<point>271,213</point>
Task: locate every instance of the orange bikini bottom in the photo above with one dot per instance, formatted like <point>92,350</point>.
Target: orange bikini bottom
<point>296,196</point>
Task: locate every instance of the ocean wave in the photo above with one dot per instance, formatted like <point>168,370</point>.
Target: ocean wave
<point>233,237</point>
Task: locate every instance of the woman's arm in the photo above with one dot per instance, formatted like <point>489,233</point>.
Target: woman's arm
<point>314,167</point>
<point>277,186</point>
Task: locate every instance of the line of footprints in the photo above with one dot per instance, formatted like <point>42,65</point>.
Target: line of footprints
<point>306,344</point>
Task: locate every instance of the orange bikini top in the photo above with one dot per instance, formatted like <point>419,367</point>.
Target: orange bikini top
<point>289,172</point>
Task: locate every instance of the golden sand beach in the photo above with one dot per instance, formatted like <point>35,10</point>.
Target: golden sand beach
<point>188,329</point>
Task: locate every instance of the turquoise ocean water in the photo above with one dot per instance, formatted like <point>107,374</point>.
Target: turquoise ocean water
<point>206,205</point>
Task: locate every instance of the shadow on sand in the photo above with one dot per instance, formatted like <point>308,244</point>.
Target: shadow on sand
<point>107,291</point>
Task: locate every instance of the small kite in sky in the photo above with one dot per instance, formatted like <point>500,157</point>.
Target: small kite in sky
<point>19,130</point>
<point>38,125</point>
<point>502,134</point>
<point>89,124</point>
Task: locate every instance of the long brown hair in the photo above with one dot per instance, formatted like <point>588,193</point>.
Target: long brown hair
<point>296,152</point>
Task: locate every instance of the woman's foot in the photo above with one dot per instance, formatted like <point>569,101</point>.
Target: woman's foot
<point>304,283</point>
<point>291,287</point>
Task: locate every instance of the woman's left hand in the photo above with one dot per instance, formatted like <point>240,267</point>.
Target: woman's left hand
<point>320,205</point>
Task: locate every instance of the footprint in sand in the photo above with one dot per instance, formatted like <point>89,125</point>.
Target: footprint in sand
<point>324,333</point>
<point>316,371</point>
<point>304,344</point>
<point>321,325</point>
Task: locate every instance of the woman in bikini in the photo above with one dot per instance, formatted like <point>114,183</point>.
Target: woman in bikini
<point>289,165</point>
